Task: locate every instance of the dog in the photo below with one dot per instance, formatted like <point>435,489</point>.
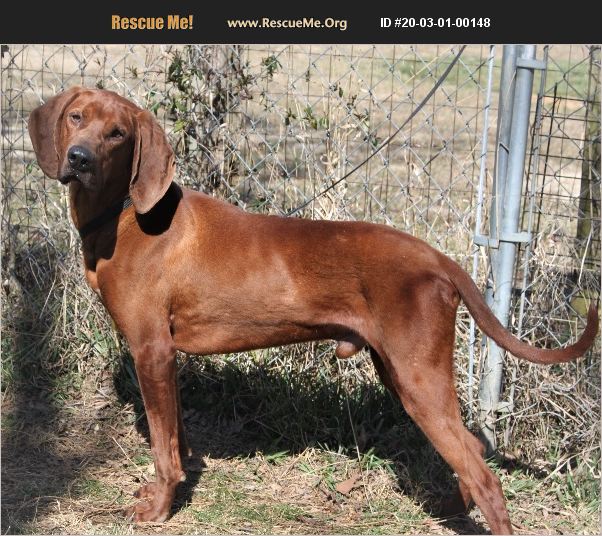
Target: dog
<point>180,270</point>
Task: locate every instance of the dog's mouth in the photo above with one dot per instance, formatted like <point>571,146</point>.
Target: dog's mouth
<point>69,176</point>
<point>75,175</point>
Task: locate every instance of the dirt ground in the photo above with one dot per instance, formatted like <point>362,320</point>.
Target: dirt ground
<point>71,465</point>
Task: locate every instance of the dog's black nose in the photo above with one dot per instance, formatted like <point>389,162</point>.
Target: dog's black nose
<point>80,159</point>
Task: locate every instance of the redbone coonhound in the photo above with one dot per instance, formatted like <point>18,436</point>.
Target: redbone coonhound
<point>180,270</point>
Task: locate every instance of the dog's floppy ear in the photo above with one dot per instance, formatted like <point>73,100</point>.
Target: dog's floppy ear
<point>153,163</point>
<point>44,130</point>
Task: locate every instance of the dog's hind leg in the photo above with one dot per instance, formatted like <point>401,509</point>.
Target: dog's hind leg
<point>461,500</point>
<point>430,399</point>
<point>418,355</point>
<point>382,371</point>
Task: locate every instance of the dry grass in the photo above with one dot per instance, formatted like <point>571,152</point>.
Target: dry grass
<point>253,470</point>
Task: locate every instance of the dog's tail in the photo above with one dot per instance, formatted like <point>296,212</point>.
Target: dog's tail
<point>492,327</point>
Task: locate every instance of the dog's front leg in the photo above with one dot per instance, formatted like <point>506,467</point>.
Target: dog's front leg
<point>156,369</point>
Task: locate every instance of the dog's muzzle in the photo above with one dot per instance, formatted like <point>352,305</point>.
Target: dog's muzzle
<point>80,162</point>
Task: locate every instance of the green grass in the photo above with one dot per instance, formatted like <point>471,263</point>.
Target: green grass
<point>8,422</point>
<point>225,505</point>
<point>92,488</point>
<point>232,511</point>
<point>143,459</point>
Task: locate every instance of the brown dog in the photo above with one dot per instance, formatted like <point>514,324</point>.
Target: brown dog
<point>183,271</point>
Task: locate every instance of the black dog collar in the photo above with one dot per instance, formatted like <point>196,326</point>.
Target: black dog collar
<point>105,217</point>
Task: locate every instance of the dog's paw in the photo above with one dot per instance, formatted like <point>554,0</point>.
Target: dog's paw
<point>146,492</point>
<point>146,511</point>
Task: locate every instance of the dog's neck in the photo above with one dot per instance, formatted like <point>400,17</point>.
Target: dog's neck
<point>85,206</point>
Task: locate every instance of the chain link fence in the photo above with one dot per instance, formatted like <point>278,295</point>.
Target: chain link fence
<point>271,127</point>
<point>558,272</point>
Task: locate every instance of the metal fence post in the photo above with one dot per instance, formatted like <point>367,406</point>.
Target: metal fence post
<point>502,147</point>
<point>509,237</point>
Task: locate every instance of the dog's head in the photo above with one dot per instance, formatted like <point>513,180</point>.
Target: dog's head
<point>103,141</point>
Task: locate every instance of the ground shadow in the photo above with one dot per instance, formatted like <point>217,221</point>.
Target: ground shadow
<point>39,463</point>
<point>233,409</point>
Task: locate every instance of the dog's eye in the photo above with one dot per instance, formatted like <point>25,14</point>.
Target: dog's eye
<point>116,134</point>
<point>75,117</point>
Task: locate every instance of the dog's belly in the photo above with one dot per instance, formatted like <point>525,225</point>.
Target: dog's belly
<point>239,320</point>
<point>220,339</point>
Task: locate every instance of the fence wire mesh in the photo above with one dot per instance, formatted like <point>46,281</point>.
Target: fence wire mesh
<point>270,127</point>
<point>558,272</point>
